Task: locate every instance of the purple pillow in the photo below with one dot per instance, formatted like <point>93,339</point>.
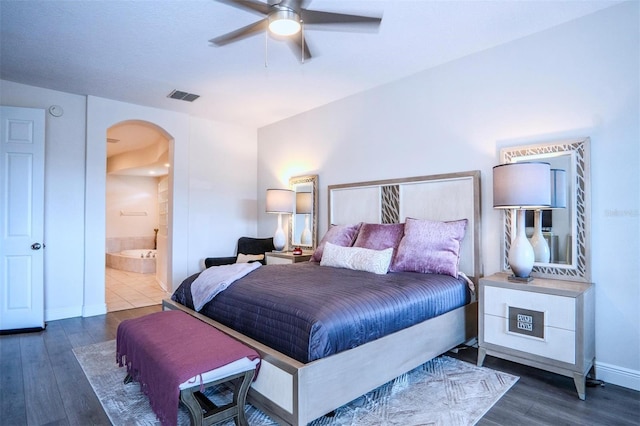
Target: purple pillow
<point>430,247</point>
<point>378,236</point>
<point>339,235</point>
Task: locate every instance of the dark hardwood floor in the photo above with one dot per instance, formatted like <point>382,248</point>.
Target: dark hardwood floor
<point>41,383</point>
<point>543,398</point>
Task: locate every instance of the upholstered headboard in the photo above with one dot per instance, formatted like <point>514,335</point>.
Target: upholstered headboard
<point>443,197</point>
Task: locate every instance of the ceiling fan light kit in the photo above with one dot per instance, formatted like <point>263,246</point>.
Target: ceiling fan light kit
<point>284,22</point>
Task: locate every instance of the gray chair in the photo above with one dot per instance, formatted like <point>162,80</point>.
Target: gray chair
<point>246,245</point>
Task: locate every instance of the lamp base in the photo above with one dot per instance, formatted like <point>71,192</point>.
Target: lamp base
<point>521,255</point>
<point>516,279</point>
<point>279,240</point>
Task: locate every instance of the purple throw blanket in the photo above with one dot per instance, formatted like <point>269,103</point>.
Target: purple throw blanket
<point>164,349</point>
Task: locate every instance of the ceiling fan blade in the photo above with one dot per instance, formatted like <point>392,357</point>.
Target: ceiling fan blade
<point>295,43</point>
<point>254,5</point>
<point>320,17</point>
<point>240,33</point>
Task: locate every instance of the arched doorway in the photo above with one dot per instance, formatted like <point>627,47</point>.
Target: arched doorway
<point>137,227</point>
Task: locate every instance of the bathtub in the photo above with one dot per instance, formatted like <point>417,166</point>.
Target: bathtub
<point>141,253</point>
<point>133,261</point>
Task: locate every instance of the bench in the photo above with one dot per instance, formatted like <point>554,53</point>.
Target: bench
<point>175,357</point>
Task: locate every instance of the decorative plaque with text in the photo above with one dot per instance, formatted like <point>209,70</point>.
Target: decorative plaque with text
<point>526,321</point>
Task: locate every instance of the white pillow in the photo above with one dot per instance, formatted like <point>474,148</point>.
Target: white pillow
<point>246,258</point>
<point>357,258</point>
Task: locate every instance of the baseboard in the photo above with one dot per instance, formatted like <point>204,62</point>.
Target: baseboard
<point>93,310</point>
<point>162,284</point>
<point>616,375</point>
<point>62,313</point>
<point>74,311</point>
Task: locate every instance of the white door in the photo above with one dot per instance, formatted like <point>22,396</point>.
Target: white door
<point>21,218</point>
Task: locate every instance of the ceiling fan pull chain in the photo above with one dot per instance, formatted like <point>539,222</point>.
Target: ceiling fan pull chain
<point>266,49</point>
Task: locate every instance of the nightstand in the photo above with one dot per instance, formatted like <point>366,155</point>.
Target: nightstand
<point>286,257</point>
<point>547,324</point>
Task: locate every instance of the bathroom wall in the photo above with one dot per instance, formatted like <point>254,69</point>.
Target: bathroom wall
<point>131,212</point>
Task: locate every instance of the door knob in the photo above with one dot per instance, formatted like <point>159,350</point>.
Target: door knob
<point>36,246</point>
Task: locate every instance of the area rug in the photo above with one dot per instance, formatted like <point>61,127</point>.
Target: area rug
<point>444,391</point>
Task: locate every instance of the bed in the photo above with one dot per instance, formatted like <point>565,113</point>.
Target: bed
<point>303,380</point>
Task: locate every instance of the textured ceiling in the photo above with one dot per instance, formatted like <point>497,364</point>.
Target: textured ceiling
<point>139,51</point>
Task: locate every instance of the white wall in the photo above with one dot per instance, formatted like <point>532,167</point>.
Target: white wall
<point>578,79</point>
<point>137,194</point>
<point>75,191</point>
<point>222,187</point>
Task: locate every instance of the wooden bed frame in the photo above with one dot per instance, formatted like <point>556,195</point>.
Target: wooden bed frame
<point>295,393</point>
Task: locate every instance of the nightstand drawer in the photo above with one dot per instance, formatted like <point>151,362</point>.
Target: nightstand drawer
<point>286,258</point>
<point>559,311</point>
<point>558,343</point>
<point>273,260</point>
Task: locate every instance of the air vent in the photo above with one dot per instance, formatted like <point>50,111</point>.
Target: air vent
<point>112,140</point>
<point>183,96</point>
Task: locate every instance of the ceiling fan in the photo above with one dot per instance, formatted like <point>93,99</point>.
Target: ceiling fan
<point>286,18</point>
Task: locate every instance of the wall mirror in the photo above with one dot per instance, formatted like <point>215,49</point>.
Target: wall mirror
<point>566,230</point>
<point>303,225</point>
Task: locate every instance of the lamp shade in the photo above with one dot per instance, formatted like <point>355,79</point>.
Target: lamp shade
<point>303,203</point>
<point>280,201</point>
<point>525,185</point>
<point>558,188</point>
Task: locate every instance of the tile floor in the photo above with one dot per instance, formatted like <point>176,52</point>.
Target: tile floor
<point>126,290</point>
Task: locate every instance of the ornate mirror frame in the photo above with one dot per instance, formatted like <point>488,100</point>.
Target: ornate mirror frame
<point>579,203</point>
<point>308,183</point>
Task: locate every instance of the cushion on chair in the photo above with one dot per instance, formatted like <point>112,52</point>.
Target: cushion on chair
<point>217,261</point>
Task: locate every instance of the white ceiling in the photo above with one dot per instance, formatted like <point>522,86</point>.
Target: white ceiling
<point>138,51</point>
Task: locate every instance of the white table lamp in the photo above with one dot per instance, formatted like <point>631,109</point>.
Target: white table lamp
<point>279,201</point>
<point>521,186</point>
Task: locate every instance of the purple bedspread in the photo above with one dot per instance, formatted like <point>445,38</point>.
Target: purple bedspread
<point>164,349</point>
<point>308,311</point>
